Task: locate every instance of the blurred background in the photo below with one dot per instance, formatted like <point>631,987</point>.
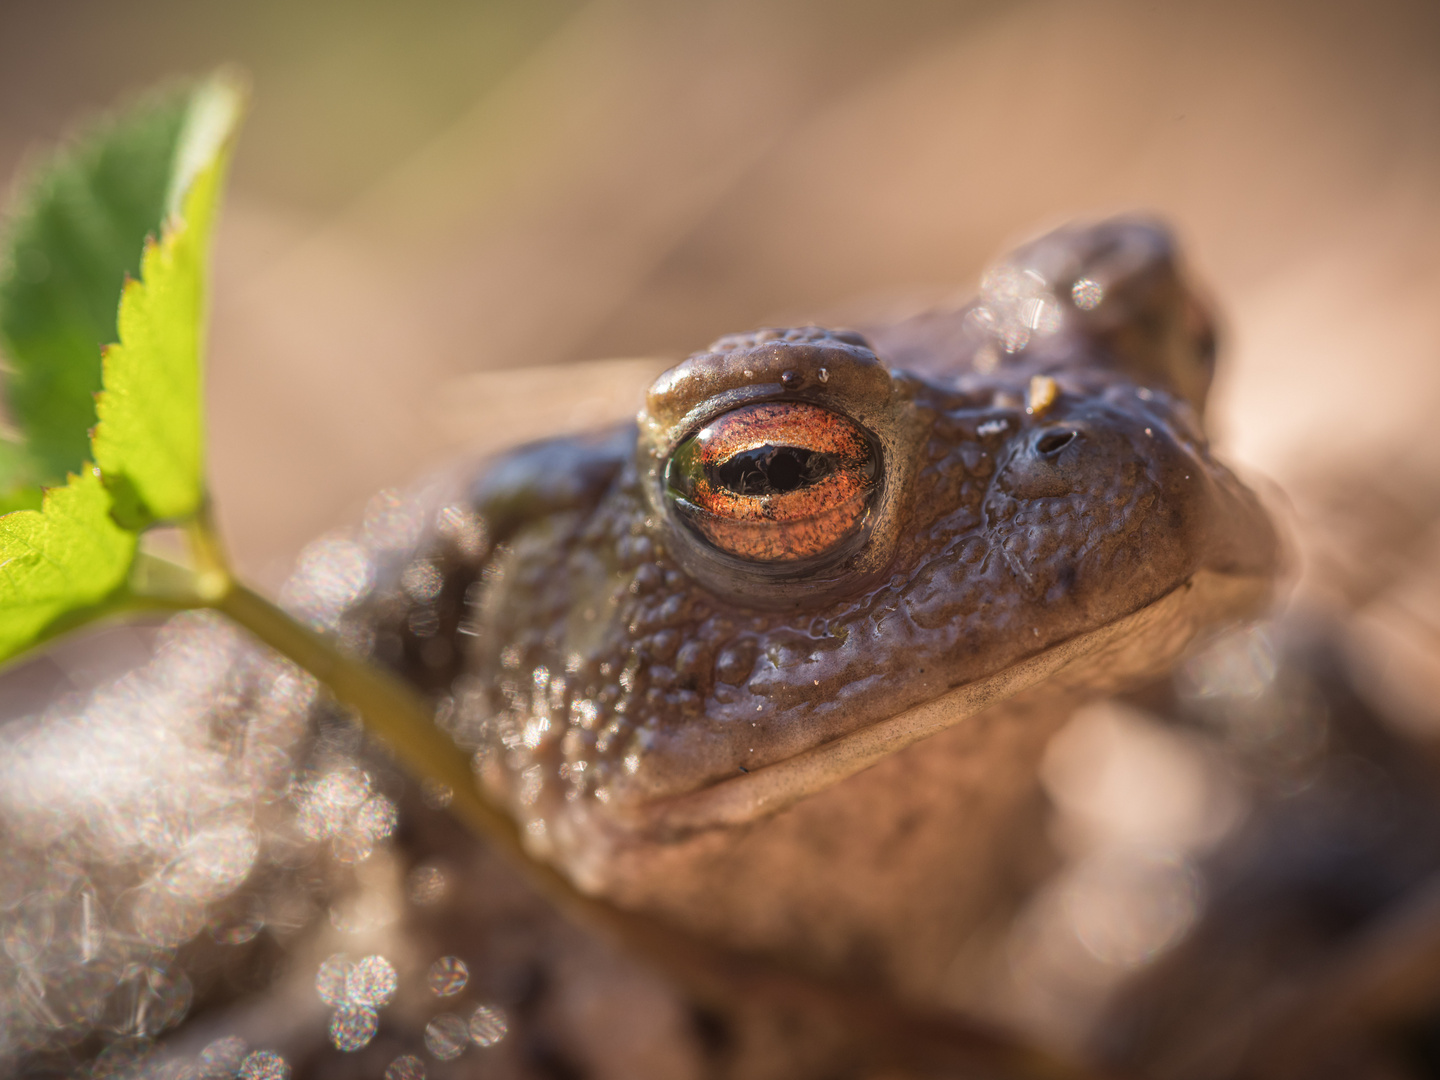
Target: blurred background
<point>433,200</point>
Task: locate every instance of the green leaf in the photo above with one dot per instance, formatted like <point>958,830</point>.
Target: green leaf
<point>149,442</point>
<point>67,558</point>
<point>60,563</point>
<point>76,234</point>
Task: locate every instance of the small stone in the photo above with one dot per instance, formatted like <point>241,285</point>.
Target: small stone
<point>1041,395</point>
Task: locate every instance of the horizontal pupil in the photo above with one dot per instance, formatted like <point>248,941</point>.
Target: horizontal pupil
<point>773,470</point>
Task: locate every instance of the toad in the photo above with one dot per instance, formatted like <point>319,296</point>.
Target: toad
<point>777,662</point>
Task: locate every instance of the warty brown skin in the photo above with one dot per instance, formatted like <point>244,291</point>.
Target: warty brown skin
<point>834,758</point>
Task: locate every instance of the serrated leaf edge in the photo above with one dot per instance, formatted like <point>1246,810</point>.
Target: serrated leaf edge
<point>202,153</point>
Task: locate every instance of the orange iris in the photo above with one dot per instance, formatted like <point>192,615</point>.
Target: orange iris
<point>775,482</point>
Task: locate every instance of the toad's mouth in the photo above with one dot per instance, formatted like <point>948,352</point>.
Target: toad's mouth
<point>1137,646</point>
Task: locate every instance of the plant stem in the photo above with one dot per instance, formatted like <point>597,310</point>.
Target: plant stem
<point>402,720</point>
<point>392,711</point>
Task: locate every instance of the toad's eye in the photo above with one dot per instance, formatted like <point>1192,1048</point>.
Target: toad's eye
<point>775,482</point>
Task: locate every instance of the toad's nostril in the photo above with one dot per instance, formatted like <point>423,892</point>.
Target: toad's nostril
<point>1054,442</point>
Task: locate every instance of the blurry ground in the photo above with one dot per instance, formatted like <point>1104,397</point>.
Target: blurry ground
<point>431,190</point>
